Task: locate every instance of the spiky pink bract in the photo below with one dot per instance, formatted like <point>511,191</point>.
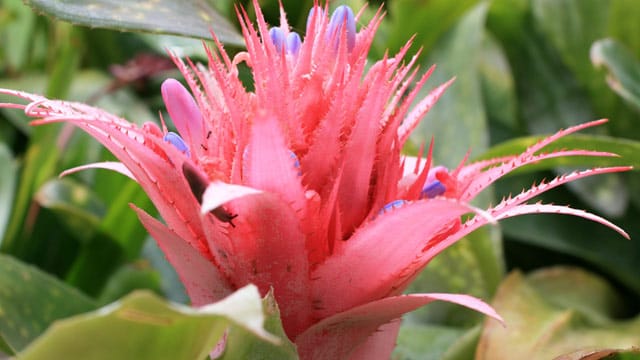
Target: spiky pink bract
<point>299,184</point>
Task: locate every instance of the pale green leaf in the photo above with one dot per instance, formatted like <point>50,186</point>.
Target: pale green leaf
<point>144,326</point>
<point>540,326</point>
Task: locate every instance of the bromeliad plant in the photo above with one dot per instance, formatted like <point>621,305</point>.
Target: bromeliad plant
<point>298,185</point>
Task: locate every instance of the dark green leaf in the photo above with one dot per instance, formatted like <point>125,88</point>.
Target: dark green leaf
<point>76,205</point>
<point>193,18</point>
<point>426,20</point>
<point>458,123</point>
<point>31,300</point>
<point>8,178</point>
<point>130,277</point>
<point>623,69</point>
<point>458,120</point>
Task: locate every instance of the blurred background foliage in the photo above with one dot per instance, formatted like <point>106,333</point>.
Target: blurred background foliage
<point>523,68</point>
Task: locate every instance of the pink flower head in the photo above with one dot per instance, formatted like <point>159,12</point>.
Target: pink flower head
<point>298,184</point>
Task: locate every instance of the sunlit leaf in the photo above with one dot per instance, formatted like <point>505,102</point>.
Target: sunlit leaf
<point>538,326</point>
<point>193,18</point>
<point>143,326</point>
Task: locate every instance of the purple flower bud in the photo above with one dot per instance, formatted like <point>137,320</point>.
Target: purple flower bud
<point>343,21</point>
<point>293,43</point>
<point>433,189</point>
<point>175,140</point>
<point>277,38</point>
<point>395,204</point>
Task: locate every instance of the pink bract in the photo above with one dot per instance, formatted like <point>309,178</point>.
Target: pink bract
<point>299,183</point>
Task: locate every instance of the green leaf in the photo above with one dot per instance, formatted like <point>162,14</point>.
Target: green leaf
<point>75,204</point>
<point>571,26</point>
<point>472,266</point>
<point>8,178</point>
<point>425,342</point>
<point>17,33</point>
<point>426,20</point>
<point>458,123</point>
<point>31,300</point>
<point>540,326</point>
<point>143,326</point>
<point>623,69</point>
<point>130,277</point>
<point>242,346</point>
<point>193,18</point>
<point>458,120</point>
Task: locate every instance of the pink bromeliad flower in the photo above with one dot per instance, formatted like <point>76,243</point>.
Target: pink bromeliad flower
<point>299,185</point>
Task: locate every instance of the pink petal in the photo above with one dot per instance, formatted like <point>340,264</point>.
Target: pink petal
<point>383,254</point>
<point>559,209</point>
<point>420,110</point>
<point>270,252</point>
<point>151,161</point>
<point>270,165</point>
<point>338,336</point>
<point>107,165</point>
<point>202,280</point>
<point>219,193</point>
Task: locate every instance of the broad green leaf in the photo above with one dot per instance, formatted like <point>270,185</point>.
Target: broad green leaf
<point>458,120</point>
<point>130,277</point>
<point>458,123</point>
<point>571,26</point>
<point>17,33</point>
<point>8,178</point>
<point>75,204</point>
<point>623,70</point>
<point>591,242</point>
<point>192,18</point>
<point>425,342</point>
<point>628,151</point>
<point>540,326</point>
<point>472,266</point>
<point>119,222</point>
<point>143,326</point>
<point>548,50</point>
<point>31,300</point>
<point>498,88</point>
<point>428,21</point>
<point>242,346</point>
<point>171,286</point>
<point>589,295</point>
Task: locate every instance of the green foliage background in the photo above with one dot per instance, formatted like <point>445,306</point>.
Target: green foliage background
<point>523,68</point>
